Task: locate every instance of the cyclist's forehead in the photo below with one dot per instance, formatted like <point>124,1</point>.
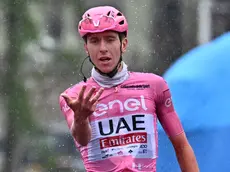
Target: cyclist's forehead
<point>103,35</point>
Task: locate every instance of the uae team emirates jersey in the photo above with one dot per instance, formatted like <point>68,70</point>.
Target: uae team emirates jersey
<point>124,124</point>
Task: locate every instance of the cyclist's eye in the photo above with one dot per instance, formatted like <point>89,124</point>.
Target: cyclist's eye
<point>94,41</point>
<point>110,39</point>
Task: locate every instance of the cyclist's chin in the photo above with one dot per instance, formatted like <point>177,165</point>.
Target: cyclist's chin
<point>106,69</point>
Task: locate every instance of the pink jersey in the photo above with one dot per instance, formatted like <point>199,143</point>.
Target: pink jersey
<point>124,125</point>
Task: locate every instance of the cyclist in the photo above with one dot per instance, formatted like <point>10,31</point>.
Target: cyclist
<point>113,114</point>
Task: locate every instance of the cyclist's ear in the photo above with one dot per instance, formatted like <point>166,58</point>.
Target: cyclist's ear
<point>86,49</point>
<point>124,44</point>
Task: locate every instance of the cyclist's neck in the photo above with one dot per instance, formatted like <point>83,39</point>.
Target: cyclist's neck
<point>108,82</point>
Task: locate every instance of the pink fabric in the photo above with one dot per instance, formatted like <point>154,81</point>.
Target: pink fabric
<point>124,125</point>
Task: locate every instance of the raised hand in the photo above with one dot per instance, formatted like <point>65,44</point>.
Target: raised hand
<point>83,106</point>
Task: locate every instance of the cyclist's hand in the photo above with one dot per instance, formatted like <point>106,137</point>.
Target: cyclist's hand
<point>83,106</point>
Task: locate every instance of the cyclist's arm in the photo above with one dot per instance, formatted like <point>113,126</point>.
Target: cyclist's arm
<point>173,127</point>
<point>81,132</point>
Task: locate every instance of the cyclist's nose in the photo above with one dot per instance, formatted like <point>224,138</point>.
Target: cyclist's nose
<point>103,47</point>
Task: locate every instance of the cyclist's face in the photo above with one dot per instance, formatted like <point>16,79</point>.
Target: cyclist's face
<point>105,49</point>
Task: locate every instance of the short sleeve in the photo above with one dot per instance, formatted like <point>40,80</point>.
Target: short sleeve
<point>165,110</point>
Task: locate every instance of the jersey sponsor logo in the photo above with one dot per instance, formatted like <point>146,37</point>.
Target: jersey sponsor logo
<point>141,166</point>
<point>121,125</point>
<point>120,153</point>
<point>168,102</point>
<point>143,146</point>
<point>123,140</point>
<point>132,134</point>
<point>167,98</point>
<point>143,151</point>
<point>136,87</point>
<point>130,105</point>
<point>137,166</point>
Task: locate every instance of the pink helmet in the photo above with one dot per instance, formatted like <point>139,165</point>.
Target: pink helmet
<point>102,18</point>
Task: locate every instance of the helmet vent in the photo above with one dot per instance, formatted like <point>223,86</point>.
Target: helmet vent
<point>121,22</point>
<point>108,14</point>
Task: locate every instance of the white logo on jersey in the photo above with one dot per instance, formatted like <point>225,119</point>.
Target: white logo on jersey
<point>130,105</point>
<point>168,102</point>
<point>138,166</point>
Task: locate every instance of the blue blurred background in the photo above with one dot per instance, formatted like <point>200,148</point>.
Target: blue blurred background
<point>200,82</point>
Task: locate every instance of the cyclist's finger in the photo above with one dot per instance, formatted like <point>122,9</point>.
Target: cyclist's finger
<point>90,93</point>
<point>67,98</point>
<point>94,105</point>
<point>81,94</point>
<point>97,95</point>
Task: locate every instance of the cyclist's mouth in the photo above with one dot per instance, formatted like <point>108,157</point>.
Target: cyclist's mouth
<point>105,59</point>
